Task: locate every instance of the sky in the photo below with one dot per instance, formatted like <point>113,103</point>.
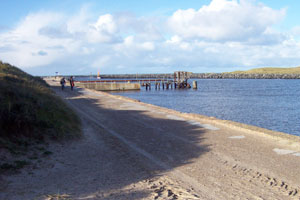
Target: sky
<point>83,37</point>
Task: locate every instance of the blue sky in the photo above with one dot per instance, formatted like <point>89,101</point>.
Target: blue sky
<point>17,9</point>
<point>83,37</point>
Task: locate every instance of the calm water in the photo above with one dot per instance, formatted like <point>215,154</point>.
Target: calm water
<point>272,104</point>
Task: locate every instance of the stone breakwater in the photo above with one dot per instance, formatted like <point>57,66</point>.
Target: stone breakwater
<point>207,76</point>
<point>244,76</point>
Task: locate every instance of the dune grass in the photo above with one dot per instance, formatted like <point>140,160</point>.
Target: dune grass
<point>30,111</point>
<point>270,70</point>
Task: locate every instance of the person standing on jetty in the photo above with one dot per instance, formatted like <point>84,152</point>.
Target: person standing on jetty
<point>62,82</point>
<point>72,82</point>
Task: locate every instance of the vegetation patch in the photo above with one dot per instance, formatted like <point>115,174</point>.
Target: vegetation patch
<point>30,112</point>
<point>270,70</point>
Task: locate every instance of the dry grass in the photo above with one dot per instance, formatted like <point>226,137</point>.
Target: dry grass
<point>270,70</point>
<point>30,112</point>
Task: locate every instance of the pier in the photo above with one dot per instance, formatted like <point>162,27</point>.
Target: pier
<point>108,86</point>
<point>179,81</point>
<point>204,76</point>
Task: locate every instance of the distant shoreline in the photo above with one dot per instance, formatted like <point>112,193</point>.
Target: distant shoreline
<point>200,76</point>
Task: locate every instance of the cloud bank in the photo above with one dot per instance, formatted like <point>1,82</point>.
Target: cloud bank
<point>222,36</point>
<point>226,21</point>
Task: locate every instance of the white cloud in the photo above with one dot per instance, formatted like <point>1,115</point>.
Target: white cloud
<point>224,20</point>
<point>149,46</point>
<point>174,40</point>
<point>149,28</point>
<point>104,30</point>
<point>30,26</point>
<point>30,47</point>
<point>296,31</point>
<point>131,43</point>
<point>214,38</point>
<point>78,23</point>
<point>106,23</point>
<point>101,61</point>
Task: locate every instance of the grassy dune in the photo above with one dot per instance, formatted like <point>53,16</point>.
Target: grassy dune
<point>30,112</point>
<point>270,70</point>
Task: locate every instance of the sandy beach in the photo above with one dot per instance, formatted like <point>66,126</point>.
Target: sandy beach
<point>132,150</point>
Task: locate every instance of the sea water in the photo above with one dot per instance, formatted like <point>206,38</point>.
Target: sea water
<point>268,103</point>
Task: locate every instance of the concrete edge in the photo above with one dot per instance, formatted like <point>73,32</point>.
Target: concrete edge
<point>280,137</point>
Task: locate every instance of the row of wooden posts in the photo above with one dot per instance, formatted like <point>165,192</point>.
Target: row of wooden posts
<point>169,85</point>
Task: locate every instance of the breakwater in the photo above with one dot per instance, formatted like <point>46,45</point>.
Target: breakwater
<point>244,76</point>
<point>206,76</point>
<point>194,75</point>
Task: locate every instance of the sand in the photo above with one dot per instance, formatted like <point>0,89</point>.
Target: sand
<point>133,150</point>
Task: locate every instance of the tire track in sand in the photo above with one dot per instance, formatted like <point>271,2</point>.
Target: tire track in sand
<point>262,179</point>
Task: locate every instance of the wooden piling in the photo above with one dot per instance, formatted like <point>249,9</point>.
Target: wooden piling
<point>194,84</point>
